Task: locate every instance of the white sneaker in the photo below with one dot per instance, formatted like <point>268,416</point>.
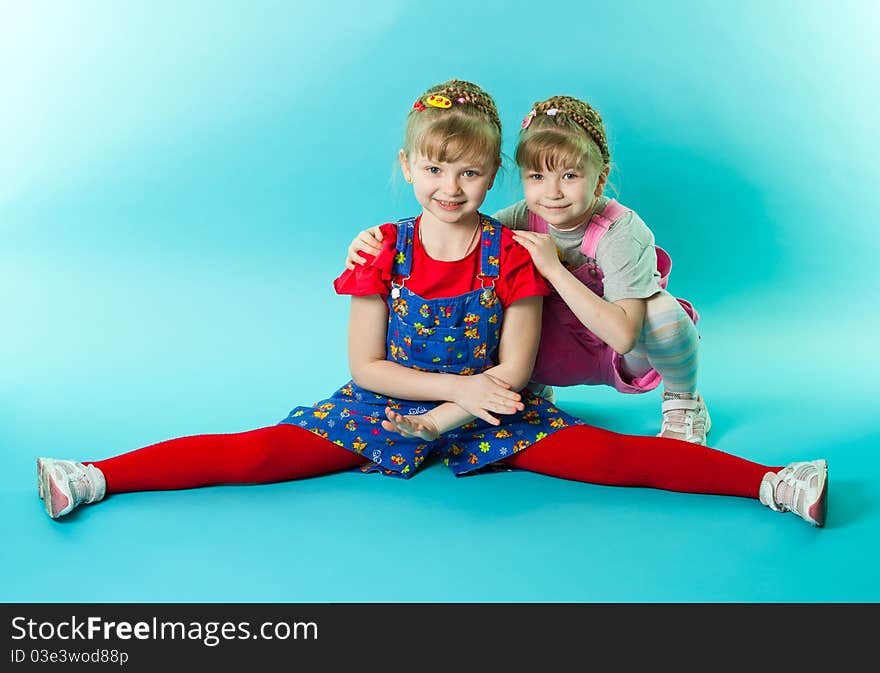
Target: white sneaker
<point>542,390</point>
<point>801,488</point>
<point>66,484</point>
<point>685,419</point>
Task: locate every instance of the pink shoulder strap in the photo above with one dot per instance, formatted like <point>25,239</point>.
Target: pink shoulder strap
<point>537,223</point>
<point>599,225</point>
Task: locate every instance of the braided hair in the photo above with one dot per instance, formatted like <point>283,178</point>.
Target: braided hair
<point>468,127</point>
<point>563,131</point>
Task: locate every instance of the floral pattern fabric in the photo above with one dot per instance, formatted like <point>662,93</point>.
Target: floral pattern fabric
<point>456,335</point>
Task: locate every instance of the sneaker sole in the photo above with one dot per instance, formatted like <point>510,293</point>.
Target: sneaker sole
<point>40,477</point>
<point>55,497</point>
<point>819,509</point>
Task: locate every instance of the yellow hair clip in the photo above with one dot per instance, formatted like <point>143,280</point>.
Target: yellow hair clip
<point>439,101</point>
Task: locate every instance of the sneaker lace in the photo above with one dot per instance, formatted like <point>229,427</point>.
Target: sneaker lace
<point>81,487</point>
<point>792,488</point>
<point>683,420</point>
<point>678,420</point>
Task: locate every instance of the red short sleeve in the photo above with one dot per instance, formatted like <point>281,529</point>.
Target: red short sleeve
<point>374,276</point>
<point>519,277</point>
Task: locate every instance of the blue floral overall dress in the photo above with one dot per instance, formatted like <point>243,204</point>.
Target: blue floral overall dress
<point>455,335</point>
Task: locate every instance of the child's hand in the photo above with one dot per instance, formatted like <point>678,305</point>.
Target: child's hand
<point>543,250</point>
<point>481,394</point>
<point>368,240</point>
<point>422,426</point>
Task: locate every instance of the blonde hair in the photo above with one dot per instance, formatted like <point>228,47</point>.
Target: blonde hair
<point>572,136</point>
<point>468,129</point>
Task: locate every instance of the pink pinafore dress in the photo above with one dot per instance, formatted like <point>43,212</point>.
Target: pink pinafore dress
<point>569,353</point>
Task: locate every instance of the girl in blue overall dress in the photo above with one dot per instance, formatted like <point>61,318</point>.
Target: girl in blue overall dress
<point>457,335</point>
<point>472,343</point>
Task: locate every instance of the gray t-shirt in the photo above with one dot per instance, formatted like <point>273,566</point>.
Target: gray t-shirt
<point>625,253</point>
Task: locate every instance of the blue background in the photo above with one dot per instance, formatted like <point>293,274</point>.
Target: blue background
<point>179,182</point>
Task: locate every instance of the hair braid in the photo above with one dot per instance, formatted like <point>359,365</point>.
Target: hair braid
<point>582,114</point>
<point>466,124</point>
<point>462,91</point>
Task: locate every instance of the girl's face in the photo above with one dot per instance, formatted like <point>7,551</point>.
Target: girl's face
<point>564,198</point>
<point>449,192</point>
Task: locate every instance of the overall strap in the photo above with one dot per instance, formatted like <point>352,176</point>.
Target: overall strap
<point>537,223</point>
<point>403,255</point>
<point>599,225</point>
<point>490,248</point>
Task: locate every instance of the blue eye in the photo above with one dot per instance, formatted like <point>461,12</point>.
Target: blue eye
<point>570,176</point>
<point>536,176</point>
<point>470,174</point>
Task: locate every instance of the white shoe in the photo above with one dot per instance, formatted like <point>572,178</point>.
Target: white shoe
<point>685,419</point>
<point>801,488</point>
<point>542,390</point>
<point>66,484</point>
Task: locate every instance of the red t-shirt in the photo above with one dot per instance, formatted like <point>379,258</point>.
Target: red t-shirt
<point>433,279</point>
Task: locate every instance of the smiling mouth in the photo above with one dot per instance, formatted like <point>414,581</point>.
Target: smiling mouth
<point>556,207</point>
<point>449,205</point>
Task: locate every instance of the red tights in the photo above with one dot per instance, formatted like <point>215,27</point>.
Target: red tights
<point>285,452</point>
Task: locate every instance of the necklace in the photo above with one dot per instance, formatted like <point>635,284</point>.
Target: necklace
<point>469,245</point>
